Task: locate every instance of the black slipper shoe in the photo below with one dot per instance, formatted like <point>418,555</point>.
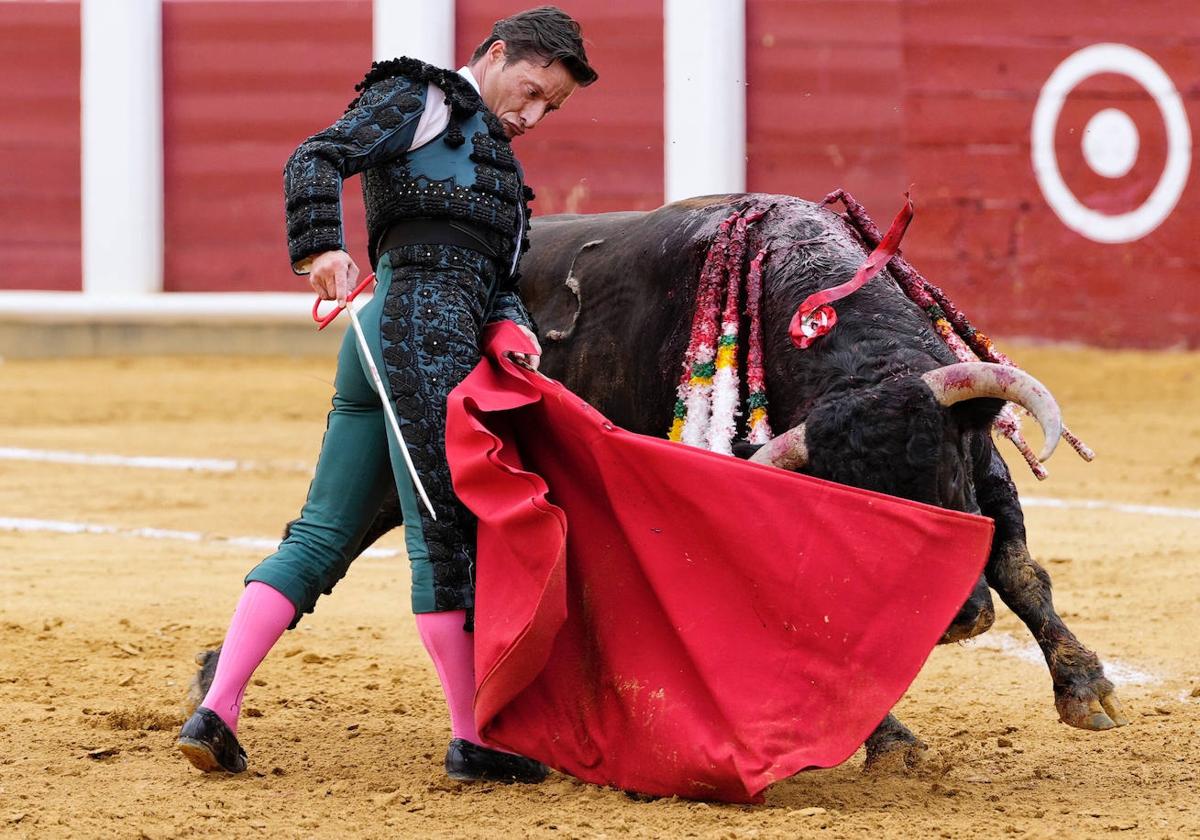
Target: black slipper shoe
<point>209,744</point>
<point>467,762</point>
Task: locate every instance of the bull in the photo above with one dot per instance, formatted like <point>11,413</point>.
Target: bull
<point>868,405</point>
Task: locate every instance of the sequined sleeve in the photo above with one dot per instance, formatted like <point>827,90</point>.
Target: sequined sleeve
<point>380,126</point>
<point>508,306</point>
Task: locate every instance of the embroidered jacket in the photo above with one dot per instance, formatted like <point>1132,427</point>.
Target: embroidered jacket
<point>468,172</point>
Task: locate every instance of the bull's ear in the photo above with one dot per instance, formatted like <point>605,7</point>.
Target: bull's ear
<point>562,308</point>
<point>745,450</point>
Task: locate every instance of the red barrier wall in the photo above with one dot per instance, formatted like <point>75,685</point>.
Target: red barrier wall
<point>243,84</point>
<point>39,146</point>
<point>823,100</point>
<point>874,96</point>
<point>604,150</point>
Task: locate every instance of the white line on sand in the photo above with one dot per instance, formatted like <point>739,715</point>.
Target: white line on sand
<point>12,453</point>
<point>152,462</point>
<point>1116,507</point>
<point>58,527</point>
<point>1121,673</point>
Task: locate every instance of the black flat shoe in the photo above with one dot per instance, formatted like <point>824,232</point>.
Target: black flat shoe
<point>209,744</point>
<point>467,762</point>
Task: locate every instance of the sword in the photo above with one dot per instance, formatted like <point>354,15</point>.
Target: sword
<point>365,351</point>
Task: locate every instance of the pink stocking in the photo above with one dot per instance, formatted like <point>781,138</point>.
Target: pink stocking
<point>261,616</point>
<point>452,650</point>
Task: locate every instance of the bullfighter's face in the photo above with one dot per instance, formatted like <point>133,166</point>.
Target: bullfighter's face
<point>521,93</point>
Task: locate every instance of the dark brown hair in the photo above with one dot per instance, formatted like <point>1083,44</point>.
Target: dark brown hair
<point>547,33</point>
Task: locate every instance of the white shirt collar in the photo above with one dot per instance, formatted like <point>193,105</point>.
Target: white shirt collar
<point>466,73</point>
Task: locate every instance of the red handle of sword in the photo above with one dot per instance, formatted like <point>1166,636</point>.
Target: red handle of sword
<point>324,321</point>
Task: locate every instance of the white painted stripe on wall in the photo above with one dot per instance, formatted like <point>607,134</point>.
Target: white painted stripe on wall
<point>705,97</point>
<point>23,525</point>
<point>121,139</point>
<point>421,29</point>
<point>150,462</point>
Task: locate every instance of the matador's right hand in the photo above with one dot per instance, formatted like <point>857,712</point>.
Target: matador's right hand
<point>333,275</point>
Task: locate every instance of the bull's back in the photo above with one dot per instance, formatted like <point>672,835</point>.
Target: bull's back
<point>613,295</point>
<point>554,243</point>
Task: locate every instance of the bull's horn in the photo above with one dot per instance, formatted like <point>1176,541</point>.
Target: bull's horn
<point>788,451</point>
<point>971,380</point>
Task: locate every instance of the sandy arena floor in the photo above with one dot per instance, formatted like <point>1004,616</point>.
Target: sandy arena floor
<point>345,725</point>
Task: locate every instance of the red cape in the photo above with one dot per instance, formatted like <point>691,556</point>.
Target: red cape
<point>671,621</point>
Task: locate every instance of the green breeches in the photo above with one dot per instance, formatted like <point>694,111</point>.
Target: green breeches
<point>423,327</point>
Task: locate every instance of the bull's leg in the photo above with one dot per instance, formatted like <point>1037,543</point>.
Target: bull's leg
<point>893,747</point>
<point>1082,695</point>
<point>202,680</point>
<point>389,517</point>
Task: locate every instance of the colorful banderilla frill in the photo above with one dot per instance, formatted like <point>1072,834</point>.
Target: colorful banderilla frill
<point>706,407</point>
<point>966,342</point>
<point>759,430</point>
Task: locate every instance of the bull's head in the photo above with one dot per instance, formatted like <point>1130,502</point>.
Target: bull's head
<point>949,385</point>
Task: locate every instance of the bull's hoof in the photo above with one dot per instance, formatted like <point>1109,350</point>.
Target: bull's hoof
<point>960,632</point>
<point>975,616</point>
<point>1091,705</point>
<point>201,680</point>
<point>897,758</point>
<point>892,748</point>
<point>209,744</point>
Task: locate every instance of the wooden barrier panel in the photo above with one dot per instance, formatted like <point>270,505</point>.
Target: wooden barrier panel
<point>874,96</point>
<point>604,150</point>
<point>243,84</point>
<point>39,144</point>
<point>871,95</point>
<point>823,99</point>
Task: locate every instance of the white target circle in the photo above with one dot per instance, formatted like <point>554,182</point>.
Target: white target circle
<point>1126,61</point>
<point>1110,143</point>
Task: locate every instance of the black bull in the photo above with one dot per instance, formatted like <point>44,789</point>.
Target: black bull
<point>614,295</point>
<point>619,289</point>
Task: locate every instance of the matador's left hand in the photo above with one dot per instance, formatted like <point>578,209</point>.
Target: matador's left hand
<point>531,359</point>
